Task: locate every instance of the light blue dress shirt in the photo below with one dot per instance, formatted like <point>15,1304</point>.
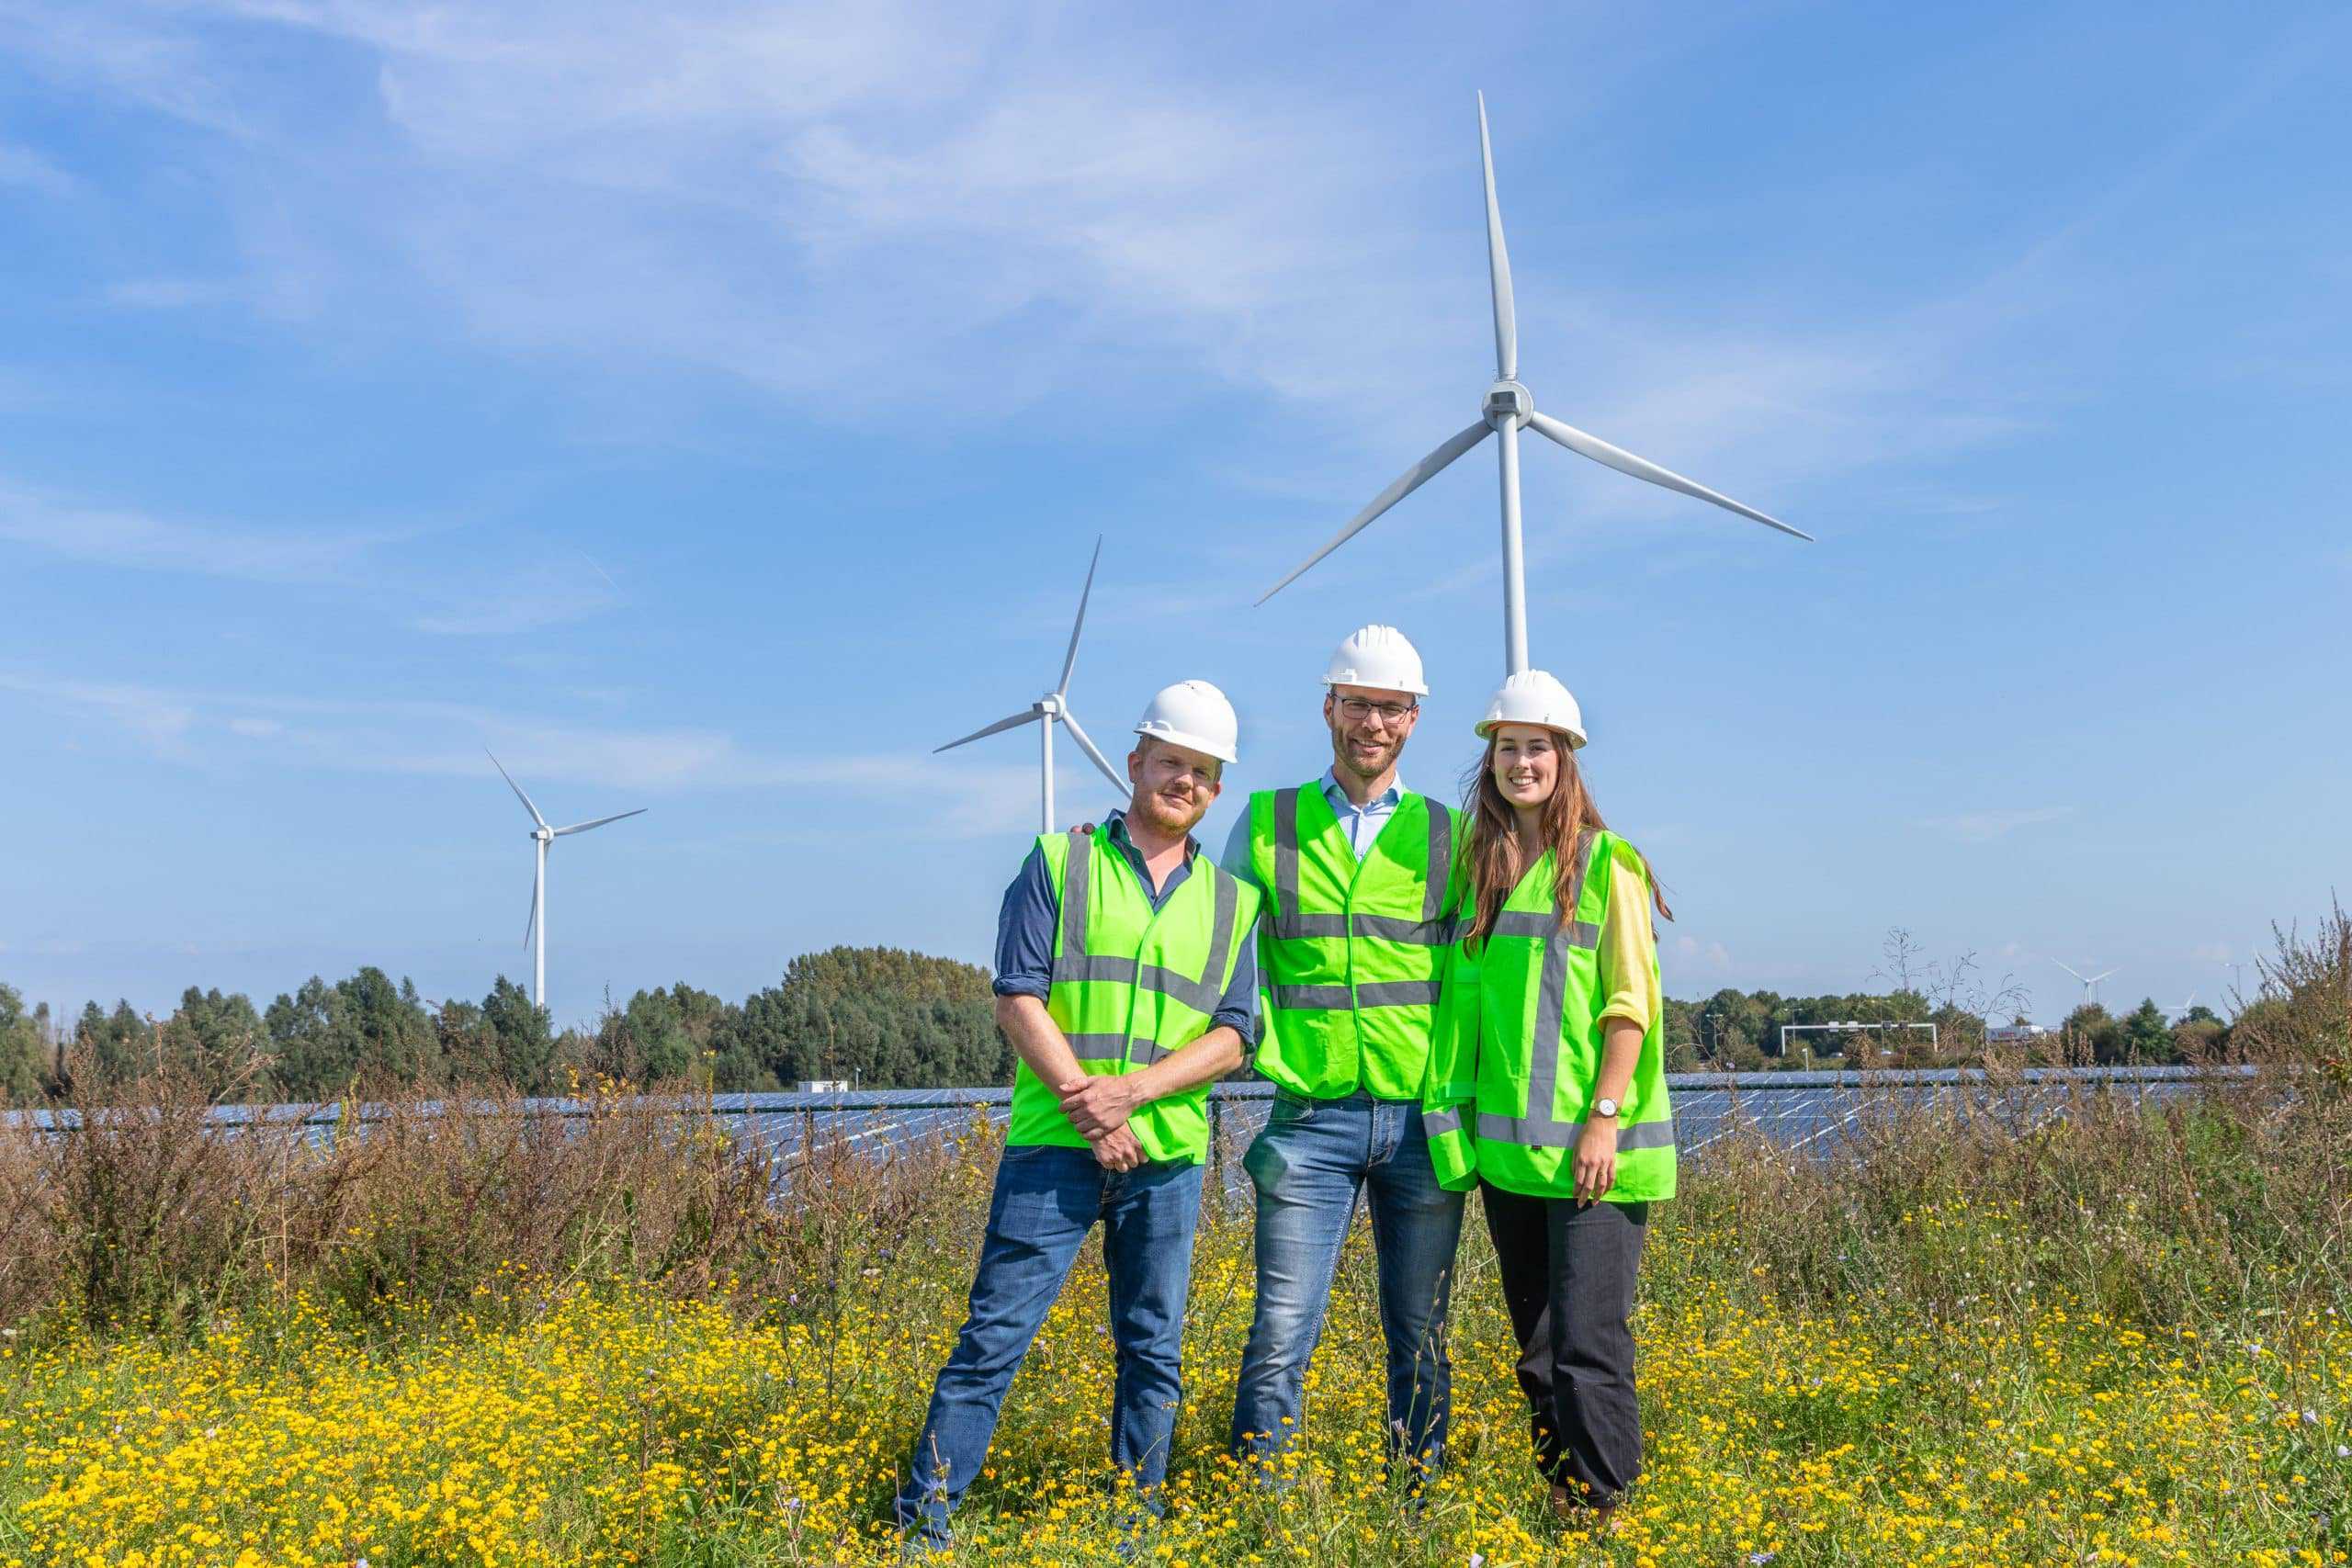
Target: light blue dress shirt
<point>1362,824</point>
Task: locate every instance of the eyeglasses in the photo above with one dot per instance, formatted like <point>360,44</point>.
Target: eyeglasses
<point>1357,710</point>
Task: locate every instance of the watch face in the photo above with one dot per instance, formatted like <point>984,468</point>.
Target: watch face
<point>1606,1107</point>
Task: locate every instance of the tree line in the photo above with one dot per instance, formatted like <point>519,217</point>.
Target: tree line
<point>883,1017</point>
<point>1740,1031</point>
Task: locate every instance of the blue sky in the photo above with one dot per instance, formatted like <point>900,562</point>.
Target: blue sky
<point>711,409</point>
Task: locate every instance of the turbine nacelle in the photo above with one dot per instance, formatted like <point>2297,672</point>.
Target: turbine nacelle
<point>1052,709</point>
<point>1508,401</point>
<point>1509,408</point>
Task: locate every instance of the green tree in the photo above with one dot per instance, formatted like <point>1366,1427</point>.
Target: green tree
<point>2092,1027</point>
<point>881,1016</point>
<point>23,1049</point>
<point>523,1048</point>
<point>328,1039</point>
<point>661,1036</point>
<point>218,1039</point>
<point>2147,1037</point>
<point>120,1045</point>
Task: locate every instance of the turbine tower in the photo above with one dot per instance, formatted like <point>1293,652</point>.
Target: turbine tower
<point>1054,708</point>
<point>1508,408</point>
<point>542,835</point>
<point>2090,982</point>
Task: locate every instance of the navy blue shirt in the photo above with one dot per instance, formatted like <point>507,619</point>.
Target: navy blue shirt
<point>1025,931</point>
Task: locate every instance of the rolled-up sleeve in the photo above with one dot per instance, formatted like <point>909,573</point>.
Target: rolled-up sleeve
<point>1237,1010</point>
<point>1025,931</point>
<point>1629,945</point>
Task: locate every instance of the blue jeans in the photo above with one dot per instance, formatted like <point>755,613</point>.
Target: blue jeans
<point>1311,1164</point>
<point>1046,1199</point>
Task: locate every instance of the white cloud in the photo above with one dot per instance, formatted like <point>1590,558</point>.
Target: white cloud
<point>859,205</point>
<point>946,799</point>
<point>170,293</point>
<point>1983,827</point>
<point>141,541</point>
<point>22,166</point>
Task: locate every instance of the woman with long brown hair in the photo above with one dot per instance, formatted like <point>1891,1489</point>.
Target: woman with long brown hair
<point>1547,1086</point>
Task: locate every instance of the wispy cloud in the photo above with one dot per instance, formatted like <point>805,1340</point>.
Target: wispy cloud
<point>144,542</point>
<point>1984,826</point>
<point>528,589</point>
<point>172,293</point>
<point>23,167</point>
<point>232,730</point>
<point>843,201</point>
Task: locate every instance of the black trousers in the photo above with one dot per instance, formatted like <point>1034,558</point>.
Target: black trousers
<point>1568,1271</point>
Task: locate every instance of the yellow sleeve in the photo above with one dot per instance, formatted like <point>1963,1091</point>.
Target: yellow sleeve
<point>1629,944</point>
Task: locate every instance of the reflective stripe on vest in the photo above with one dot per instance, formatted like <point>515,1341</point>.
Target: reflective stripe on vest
<point>1131,984</point>
<point>1430,930</point>
<point>1072,963</point>
<point>1353,942</point>
<point>1540,1127</point>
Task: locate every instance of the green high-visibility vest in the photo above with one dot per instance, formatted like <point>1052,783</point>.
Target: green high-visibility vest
<point>1514,1073</point>
<point>1132,984</point>
<point>1351,950</point>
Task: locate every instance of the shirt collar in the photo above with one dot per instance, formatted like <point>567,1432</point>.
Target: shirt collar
<point>1391,798</point>
<point>1115,825</point>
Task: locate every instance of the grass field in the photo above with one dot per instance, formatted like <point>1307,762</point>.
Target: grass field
<point>2121,1339</point>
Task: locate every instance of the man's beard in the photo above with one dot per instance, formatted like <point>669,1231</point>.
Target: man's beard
<point>1343,753</point>
<point>1157,812</point>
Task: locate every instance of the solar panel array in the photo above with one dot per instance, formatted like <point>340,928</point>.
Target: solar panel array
<point>1813,1116</point>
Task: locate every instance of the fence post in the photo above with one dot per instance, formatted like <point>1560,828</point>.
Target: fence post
<point>1216,1142</point>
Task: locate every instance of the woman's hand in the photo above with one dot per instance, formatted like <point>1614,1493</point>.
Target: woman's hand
<point>1596,1160</point>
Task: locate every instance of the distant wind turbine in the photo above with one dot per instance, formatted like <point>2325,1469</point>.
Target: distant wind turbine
<point>1508,406</point>
<point>543,836</point>
<point>2185,1008</point>
<point>1054,708</point>
<point>2090,982</point>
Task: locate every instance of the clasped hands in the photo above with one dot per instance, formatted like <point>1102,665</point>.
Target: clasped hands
<point>1099,1109</point>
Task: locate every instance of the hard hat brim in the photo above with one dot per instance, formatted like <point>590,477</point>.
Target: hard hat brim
<point>1486,728</point>
<point>1191,743</point>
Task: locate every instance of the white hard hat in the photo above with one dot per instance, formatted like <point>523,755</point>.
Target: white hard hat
<point>1379,657</point>
<point>1533,696</point>
<point>1192,714</point>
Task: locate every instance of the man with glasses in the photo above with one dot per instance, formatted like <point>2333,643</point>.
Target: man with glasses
<point>1360,884</point>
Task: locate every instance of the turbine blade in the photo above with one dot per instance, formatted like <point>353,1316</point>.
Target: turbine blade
<point>1625,462</point>
<point>1499,264</point>
<point>1406,483</point>
<point>583,827</point>
<point>515,787</point>
<point>531,923</point>
<point>1087,746</point>
<point>992,730</point>
<point>1069,660</point>
<point>2101,976</point>
<point>2067,967</point>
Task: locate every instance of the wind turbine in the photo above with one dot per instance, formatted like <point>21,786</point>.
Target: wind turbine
<point>2090,982</point>
<point>543,836</point>
<point>2186,1008</point>
<point>1054,708</point>
<point>1510,407</point>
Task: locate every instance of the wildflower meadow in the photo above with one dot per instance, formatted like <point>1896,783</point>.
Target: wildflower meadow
<point>2116,1335</point>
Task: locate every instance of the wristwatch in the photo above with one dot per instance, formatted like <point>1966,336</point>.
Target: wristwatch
<point>1605,1108</point>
